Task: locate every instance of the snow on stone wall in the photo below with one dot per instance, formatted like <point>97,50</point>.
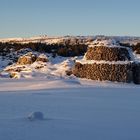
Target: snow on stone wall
<point>107,53</point>
<point>106,60</point>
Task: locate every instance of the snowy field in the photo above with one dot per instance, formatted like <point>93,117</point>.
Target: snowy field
<point>73,110</point>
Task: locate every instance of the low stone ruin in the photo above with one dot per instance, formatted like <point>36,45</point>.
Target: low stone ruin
<point>106,60</point>
<point>30,58</point>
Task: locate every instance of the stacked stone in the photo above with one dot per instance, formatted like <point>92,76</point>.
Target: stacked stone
<point>107,54</point>
<point>111,72</point>
<point>30,58</point>
<point>106,60</point>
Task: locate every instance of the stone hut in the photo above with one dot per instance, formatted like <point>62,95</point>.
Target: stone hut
<point>107,60</point>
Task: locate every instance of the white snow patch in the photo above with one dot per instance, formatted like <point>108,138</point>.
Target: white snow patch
<point>93,110</point>
<point>83,61</point>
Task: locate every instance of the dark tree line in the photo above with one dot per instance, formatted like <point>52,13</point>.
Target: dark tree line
<point>135,48</point>
<point>65,50</point>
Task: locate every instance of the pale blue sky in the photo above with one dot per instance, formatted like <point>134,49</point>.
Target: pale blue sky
<point>24,18</point>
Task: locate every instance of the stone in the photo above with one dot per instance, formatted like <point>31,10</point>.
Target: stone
<point>42,58</point>
<point>110,72</point>
<point>28,58</point>
<point>36,116</point>
<point>108,63</point>
<point>107,53</point>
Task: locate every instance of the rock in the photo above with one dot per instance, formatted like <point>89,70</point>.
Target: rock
<point>136,73</point>
<point>69,72</point>
<point>28,58</point>
<point>15,75</point>
<point>35,116</point>
<point>42,58</point>
<point>14,69</point>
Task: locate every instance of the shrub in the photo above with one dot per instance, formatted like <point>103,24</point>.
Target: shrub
<point>60,49</point>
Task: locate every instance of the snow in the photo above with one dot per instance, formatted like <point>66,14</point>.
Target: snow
<point>105,42</point>
<point>43,39</point>
<point>65,107</point>
<point>71,108</point>
<point>111,43</point>
<point>83,61</point>
<point>42,56</point>
<point>88,110</point>
<point>56,67</point>
<point>3,62</point>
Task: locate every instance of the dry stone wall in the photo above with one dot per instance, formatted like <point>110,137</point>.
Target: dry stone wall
<point>107,60</point>
<point>108,53</point>
<point>111,72</point>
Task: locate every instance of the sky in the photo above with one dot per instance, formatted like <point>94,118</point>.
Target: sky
<point>26,18</point>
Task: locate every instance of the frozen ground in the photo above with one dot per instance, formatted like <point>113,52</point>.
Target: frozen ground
<point>73,110</point>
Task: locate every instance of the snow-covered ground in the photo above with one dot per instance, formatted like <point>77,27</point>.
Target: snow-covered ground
<point>61,39</point>
<point>46,39</point>
<point>73,109</point>
<point>55,68</point>
<point>70,108</point>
